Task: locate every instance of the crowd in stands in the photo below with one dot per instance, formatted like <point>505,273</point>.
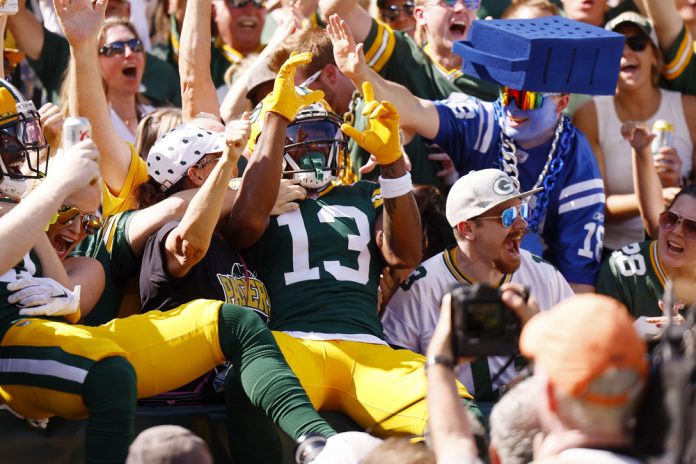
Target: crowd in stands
<point>269,203</point>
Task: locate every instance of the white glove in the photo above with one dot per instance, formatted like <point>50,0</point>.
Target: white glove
<point>41,296</point>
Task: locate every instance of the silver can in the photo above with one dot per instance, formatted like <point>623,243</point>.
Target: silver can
<point>9,7</point>
<point>75,129</point>
<point>664,131</point>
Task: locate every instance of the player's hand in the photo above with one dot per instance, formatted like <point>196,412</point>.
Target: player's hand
<point>668,165</point>
<point>288,196</point>
<point>41,296</point>
<point>75,168</point>
<point>285,100</point>
<point>381,136</point>
<point>349,57</point>
<point>51,119</point>
<point>637,135</point>
<point>81,20</point>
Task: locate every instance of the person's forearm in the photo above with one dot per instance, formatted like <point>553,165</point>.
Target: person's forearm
<point>235,101</point>
<point>621,207</point>
<point>197,88</point>
<point>415,114</point>
<point>646,184</point>
<point>50,263</point>
<point>259,189</point>
<point>402,246</point>
<point>449,426</point>
<point>87,99</point>
<point>28,33</point>
<point>24,225</point>
<point>668,23</point>
<point>358,20</point>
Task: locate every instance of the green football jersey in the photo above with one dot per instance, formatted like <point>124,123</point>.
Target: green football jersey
<point>634,275</point>
<point>110,246</point>
<point>321,264</point>
<point>398,58</point>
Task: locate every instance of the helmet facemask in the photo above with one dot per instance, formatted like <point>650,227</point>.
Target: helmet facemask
<point>21,142</point>
<point>314,149</point>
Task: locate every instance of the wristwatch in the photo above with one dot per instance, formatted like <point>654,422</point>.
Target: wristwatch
<point>441,360</point>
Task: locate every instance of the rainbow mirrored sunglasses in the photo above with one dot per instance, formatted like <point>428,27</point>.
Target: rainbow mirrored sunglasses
<point>67,214</point>
<point>524,99</point>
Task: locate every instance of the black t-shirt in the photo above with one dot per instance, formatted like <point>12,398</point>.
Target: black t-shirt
<point>221,275</point>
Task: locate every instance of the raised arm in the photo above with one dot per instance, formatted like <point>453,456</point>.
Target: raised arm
<point>356,18</point>
<point>416,114</point>
<point>188,242</point>
<point>402,244</point>
<point>259,189</point>
<point>197,88</point>
<point>81,23</point>
<point>646,182</point>
<point>668,23</point>
<point>27,31</point>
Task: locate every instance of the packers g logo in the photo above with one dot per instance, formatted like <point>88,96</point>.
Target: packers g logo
<point>503,186</point>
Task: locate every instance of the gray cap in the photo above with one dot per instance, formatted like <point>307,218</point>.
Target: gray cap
<point>478,192</point>
<point>168,444</point>
<point>641,22</point>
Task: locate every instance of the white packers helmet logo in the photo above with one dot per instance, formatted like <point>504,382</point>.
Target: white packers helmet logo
<point>503,186</point>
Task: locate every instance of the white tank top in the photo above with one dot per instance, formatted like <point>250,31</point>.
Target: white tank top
<point>617,158</point>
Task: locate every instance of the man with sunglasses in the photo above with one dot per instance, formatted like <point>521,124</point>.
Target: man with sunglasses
<point>637,273</point>
<point>428,70</point>
<point>489,217</point>
<point>398,14</point>
<point>524,134</point>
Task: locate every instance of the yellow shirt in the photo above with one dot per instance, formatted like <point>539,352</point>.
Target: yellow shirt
<point>113,203</point>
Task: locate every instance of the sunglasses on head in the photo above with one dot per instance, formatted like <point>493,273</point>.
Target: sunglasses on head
<point>524,99</point>
<point>68,214</point>
<point>243,3</point>
<point>472,5</point>
<point>391,13</point>
<point>669,220</point>
<point>119,47</point>
<point>637,43</point>
<point>508,215</point>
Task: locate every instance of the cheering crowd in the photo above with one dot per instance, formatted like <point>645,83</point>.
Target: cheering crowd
<point>267,205</point>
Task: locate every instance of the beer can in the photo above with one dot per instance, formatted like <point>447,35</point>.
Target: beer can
<point>664,131</point>
<point>75,129</point>
<point>9,7</point>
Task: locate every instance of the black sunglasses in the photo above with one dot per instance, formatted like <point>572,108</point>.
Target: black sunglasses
<point>119,47</point>
<point>637,43</point>
<point>243,3</point>
<point>391,13</point>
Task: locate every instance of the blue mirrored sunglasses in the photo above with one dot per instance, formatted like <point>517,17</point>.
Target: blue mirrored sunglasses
<point>508,215</point>
<point>472,5</point>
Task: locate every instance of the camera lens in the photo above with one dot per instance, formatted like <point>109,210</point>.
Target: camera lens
<point>308,447</point>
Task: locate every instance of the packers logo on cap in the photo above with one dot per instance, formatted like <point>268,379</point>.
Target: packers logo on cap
<point>503,186</point>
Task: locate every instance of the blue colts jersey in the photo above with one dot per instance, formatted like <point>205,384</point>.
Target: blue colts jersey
<point>573,226</point>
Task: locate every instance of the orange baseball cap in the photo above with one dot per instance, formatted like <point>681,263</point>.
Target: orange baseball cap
<point>579,339</point>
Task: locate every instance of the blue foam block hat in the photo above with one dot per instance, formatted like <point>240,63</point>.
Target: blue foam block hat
<point>551,54</point>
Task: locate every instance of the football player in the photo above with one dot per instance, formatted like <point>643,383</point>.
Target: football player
<point>50,367</point>
<point>637,273</point>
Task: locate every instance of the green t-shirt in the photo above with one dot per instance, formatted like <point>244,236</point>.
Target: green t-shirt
<point>634,275</point>
<point>396,57</point>
<point>110,246</point>
<point>321,263</point>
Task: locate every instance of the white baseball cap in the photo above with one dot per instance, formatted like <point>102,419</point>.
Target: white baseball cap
<point>179,149</point>
<point>478,192</point>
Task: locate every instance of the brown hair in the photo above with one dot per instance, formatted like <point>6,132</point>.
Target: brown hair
<point>310,39</point>
<point>153,125</point>
<point>399,450</point>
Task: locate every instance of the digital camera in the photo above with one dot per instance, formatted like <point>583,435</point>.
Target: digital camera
<point>482,325</point>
